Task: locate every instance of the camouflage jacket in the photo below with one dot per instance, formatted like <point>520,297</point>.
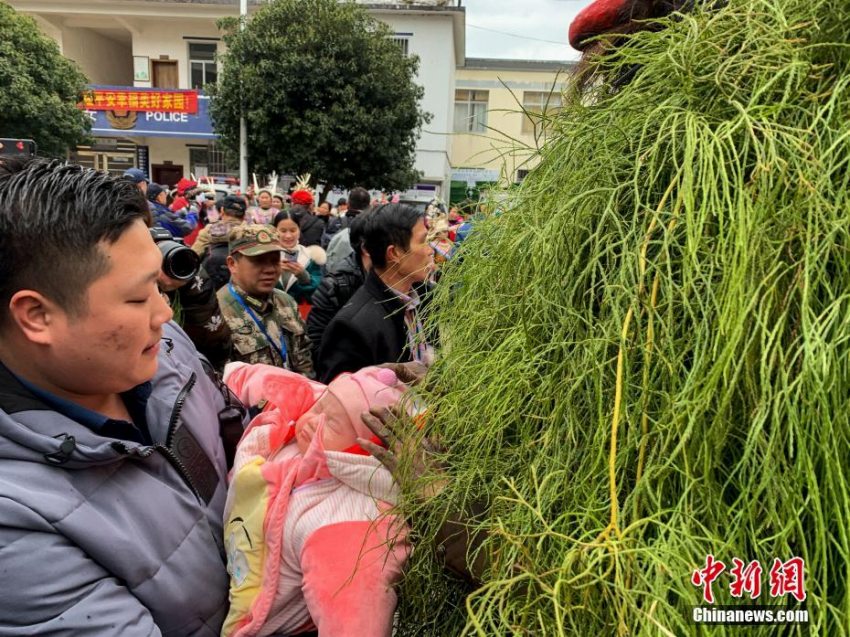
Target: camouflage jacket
<point>279,314</point>
<point>217,232</point>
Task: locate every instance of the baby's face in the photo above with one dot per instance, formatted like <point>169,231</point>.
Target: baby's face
<point>337,425</point>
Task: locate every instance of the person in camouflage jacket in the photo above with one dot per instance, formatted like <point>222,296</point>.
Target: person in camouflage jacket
<point>232,213</point>
<point>264,322</point>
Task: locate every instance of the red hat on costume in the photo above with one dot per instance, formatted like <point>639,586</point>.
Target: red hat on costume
<point>185,184</point>
<point>596,19</point>
<point>302,197</point>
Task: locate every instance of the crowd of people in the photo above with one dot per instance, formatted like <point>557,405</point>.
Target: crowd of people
<point>281,274</point>
<point>190,452</point>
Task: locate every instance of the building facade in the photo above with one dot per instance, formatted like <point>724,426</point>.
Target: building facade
<point>434,31</point>
<point>146,57</point>
<point>499,120</point>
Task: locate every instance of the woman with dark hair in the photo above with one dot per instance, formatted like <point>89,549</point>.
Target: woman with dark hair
<point>323,211</point>
<point>264,211</point>
<point>302,265</point>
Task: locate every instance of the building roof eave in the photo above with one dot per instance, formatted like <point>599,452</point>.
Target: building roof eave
<point>497,64</point>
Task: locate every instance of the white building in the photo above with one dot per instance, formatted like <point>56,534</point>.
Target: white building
<point>434,31</point>
<point>143,55</point>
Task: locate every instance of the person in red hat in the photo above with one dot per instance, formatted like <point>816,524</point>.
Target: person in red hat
<point>181,201</point>
<point>312,227</point>
<point>303,198</point>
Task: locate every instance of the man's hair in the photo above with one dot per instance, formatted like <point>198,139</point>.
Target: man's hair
<point>52,218</point>
<point>386,225</point>
<point>233,206</point>
<point>355,237</point>
<point>298,213</point>
<point>358,199</point>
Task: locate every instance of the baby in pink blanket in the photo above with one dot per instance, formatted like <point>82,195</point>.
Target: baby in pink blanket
<point>310,542</point>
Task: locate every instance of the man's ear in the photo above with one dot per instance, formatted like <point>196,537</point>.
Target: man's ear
<point>231,263</point>
<point>393,254</point>
<point>35,315</point>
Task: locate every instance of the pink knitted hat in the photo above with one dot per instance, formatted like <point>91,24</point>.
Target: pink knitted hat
<point>370,387</point>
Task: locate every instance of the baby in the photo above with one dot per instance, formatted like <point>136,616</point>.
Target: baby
<point>310,542</point>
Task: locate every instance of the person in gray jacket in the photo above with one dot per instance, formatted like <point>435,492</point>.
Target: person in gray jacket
<point>112,471</point>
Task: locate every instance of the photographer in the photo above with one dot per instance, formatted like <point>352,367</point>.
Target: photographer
<point>191,295</point>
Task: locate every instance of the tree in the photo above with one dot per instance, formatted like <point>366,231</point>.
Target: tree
<point>41,88</point>
<point>325,90</point>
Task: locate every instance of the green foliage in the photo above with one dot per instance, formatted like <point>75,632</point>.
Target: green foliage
<point>325,91</point>
<point>41,88</point>
<point>646,356</point>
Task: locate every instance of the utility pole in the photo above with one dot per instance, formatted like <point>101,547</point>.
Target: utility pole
<point>243,123</point>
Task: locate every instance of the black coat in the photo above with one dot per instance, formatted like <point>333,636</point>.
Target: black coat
<point>333,293</point>
<point>368,330</point>
<point>312,228</point>
<point>335,224</point>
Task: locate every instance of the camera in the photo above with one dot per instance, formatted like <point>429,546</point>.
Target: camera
<point>178,261</point>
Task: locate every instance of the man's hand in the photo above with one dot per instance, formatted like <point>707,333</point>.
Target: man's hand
<point>408,373</point>
<point>422,451</point>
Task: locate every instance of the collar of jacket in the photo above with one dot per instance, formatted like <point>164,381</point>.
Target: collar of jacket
<point>32,430</point>
<point>135,400</point>
<point>384,294</point>
<point>260,305</point>
<point>14,397</point>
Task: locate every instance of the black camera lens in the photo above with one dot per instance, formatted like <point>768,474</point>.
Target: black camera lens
<point>178,261</point>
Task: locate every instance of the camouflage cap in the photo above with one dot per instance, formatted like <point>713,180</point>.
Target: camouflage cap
<point>253,240</point>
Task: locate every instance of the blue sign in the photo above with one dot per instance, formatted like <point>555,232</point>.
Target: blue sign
<point>152,124</point>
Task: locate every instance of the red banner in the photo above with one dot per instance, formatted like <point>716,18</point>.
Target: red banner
<point>151,101</point>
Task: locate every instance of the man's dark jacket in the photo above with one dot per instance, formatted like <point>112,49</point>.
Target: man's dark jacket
<point>336,224</point>
<point>335,290</point>
<point>368,330</point>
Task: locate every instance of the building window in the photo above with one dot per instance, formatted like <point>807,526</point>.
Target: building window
<point>202,68</point>
<point>470,111</point>
<point>210,161</point>
<point>403,43</point>
<point>538,106</point>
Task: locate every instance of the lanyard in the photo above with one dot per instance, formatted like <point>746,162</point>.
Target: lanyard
<point>281,349</point>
